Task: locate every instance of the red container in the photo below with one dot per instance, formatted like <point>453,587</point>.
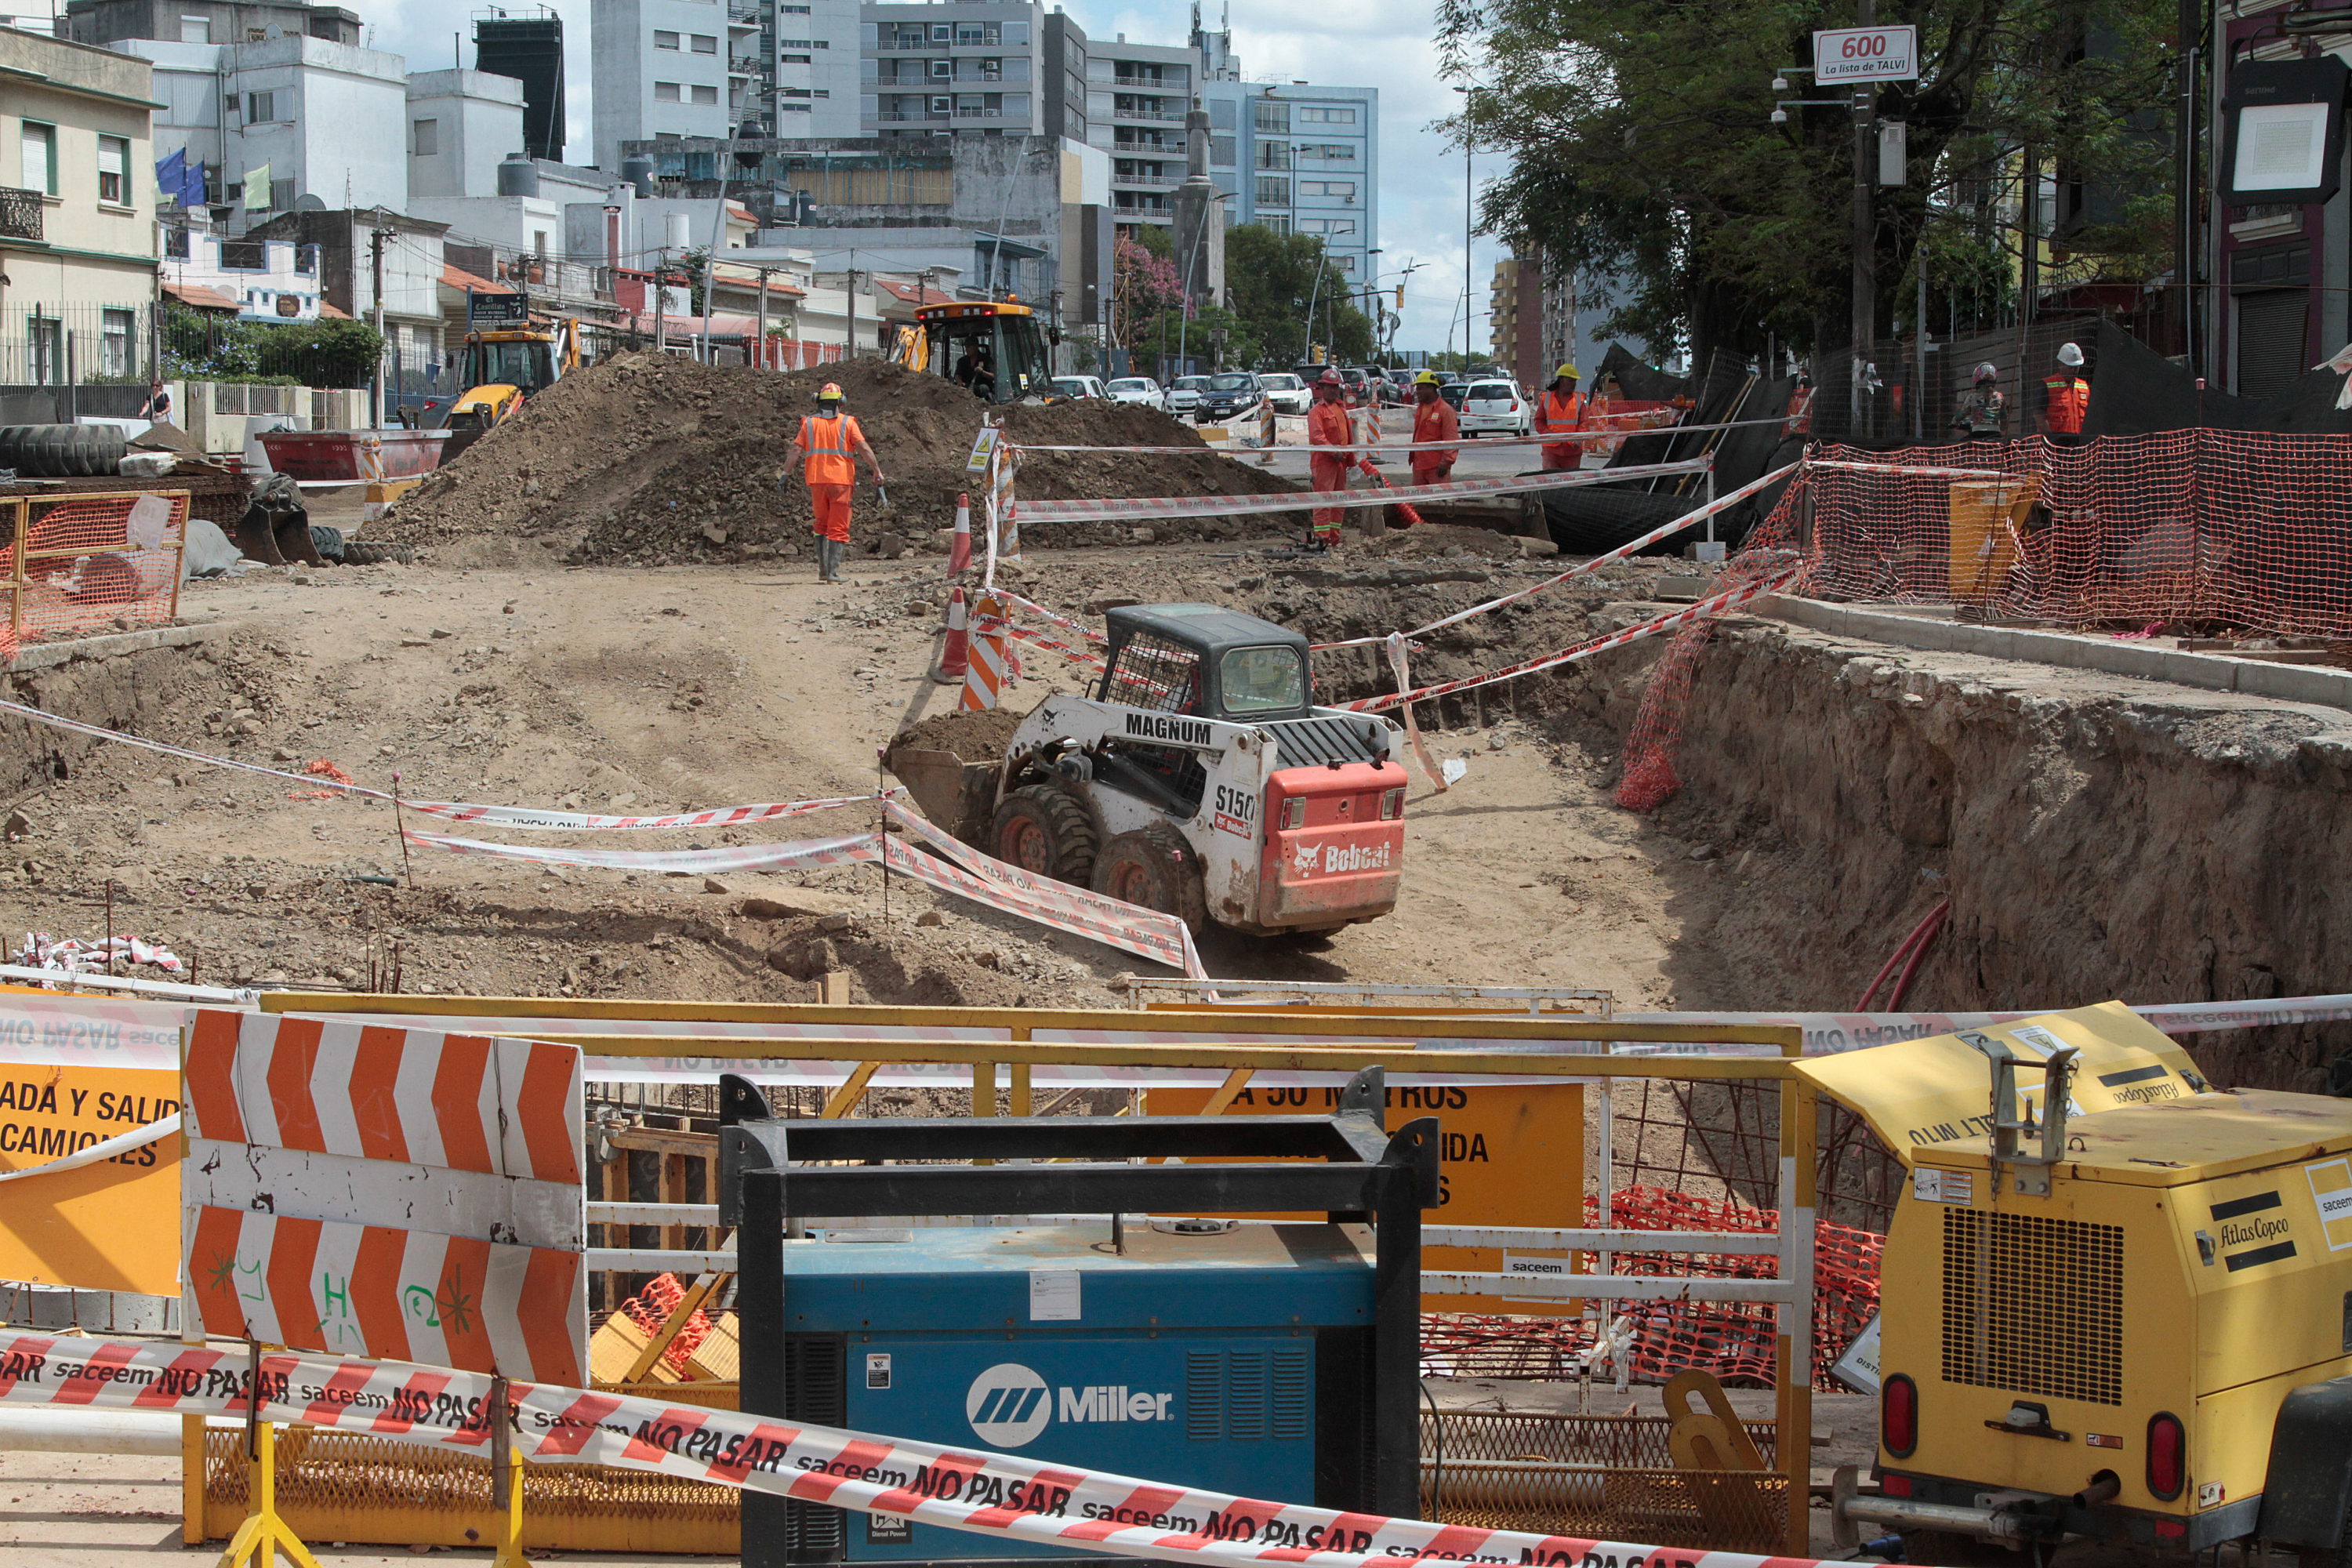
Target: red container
<point>356,455</point>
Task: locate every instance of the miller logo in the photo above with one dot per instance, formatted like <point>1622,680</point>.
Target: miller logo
<point>1008,1405</point>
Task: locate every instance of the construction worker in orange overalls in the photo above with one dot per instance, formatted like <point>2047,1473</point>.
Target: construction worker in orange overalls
<point>826,440</point>
<point>1331,452</point>
<point>1563,410</point>
<point>1433,419</point>
<point>2065,396</point>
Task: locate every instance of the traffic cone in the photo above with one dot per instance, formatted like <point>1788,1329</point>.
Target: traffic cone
<point>955,659</point>
<point>959,548</point>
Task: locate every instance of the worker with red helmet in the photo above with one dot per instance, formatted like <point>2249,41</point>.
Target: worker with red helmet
<point>1433,419</point>
<point>1331,452</point>
<point>827,439</point>
<point>1563,410</point>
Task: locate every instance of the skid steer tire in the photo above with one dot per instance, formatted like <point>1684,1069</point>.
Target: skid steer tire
<point>1155,867</point>
<point>1041,829</point>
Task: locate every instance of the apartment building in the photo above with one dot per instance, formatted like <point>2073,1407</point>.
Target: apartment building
<point>1300,158</point>
<point>108,23</point>
<point>76,209</point>
<point>1137,96</point>
<point>973,65</point>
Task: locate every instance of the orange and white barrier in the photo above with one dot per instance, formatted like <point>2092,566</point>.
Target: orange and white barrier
<point>991,663</point>
<point>957,655</point>
<point>1002,1496</point>
<point>383,1191</point>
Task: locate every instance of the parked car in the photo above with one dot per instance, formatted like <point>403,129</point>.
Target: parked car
<point>1184,395</point>
<point>1140,390</point>
<point>1360,386</point>
<point>1286,392</point>
<point>1384,385</point>
<point>1225,395</point>
<point>1078,386</point>
<point>1496,408</point>
<point>1453,391</point>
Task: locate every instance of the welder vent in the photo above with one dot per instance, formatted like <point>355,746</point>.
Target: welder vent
<point>1248,1395</point>
<point>2033,1305</point>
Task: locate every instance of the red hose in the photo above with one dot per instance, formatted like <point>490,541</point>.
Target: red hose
<point>1913,948</point>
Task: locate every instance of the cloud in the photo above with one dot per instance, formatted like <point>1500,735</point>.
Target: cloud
<point>1386,44</point>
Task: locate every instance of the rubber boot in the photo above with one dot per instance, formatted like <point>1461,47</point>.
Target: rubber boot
<point>828,559</point>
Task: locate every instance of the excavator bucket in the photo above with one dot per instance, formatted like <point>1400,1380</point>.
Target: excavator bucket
<point>959,796</point>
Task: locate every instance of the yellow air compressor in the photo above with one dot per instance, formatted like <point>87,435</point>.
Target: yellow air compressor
<point>2116,1302</point>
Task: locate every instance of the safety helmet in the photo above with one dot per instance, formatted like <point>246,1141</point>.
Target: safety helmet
<point>829,393</point>
<point>1330,378</point>
<point>1427,378</point>
<point>1569,371</point>
<point>2070,354</point>
<point>1984,372</point>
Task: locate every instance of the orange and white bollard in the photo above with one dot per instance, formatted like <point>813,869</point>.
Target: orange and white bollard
<point>957,655</point>
<point>959,548</point>
<point>985,673</point>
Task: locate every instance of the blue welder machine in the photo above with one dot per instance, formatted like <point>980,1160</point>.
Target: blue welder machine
<point>1272,1361</point>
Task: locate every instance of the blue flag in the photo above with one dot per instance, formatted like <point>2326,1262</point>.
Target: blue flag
<point>171,175</point>
<point>192,195</point>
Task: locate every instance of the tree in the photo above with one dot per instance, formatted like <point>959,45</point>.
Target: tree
<point>1272,280</point>
<point>201,346</point>
<point>1642,146</point>
<point>1143,284</point>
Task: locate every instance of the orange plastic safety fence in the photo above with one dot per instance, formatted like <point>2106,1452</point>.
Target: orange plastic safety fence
<point>649,1308</point>
<point>1649,779</point>
<point>81,563</point>
<point>1733,1341</point>
<point>2239,528</point>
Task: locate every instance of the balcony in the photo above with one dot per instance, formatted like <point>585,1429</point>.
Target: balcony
<point>20,213</point>
<point>1162,149</point>
<point>1149,83</point>
<point>1147,116</point>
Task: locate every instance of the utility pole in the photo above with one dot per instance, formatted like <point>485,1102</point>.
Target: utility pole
<point>760,344</point>
<point>376,236</point>
<point>2191,24</point>
<point>1866,281</point>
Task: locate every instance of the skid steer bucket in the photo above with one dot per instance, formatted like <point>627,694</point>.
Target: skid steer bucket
<point>959,796</point>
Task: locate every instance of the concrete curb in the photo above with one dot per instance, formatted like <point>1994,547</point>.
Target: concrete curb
<point>49,656</point>
<point>2316,684</point>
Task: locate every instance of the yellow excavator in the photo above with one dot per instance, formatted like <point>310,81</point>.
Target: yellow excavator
<point>505,365</point>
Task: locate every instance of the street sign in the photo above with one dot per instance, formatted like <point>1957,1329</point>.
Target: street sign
<point>1866,54</point>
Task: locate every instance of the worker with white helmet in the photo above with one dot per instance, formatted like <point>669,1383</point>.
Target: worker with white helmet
<point>2065,396</point>
<point>1982,410</point>
<point>826,440</point>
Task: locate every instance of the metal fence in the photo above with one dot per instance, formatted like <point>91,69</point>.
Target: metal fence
<point>45,344</point>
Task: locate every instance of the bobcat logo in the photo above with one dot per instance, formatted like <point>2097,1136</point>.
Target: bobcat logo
<point>1302,858</point>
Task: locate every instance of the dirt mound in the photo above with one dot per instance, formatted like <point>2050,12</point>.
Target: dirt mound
<point>661,460</point>
<point>977,736</point>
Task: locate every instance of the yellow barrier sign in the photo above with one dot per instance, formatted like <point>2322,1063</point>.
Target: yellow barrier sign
<point>110,1224</point>
<point>1508,1154</point>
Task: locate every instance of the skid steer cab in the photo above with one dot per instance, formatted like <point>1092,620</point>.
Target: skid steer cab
<point>1200,780</point>
<point>2115,1302</point>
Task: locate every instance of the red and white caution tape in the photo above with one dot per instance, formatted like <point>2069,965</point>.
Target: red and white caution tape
<point>1464,444</point>
<point>1912,470</point>
<point>1662,531</point>
<point>1703,609</point>
<point>1043,613</point>
<point>1395,648</point>
<point>1117,510</point>
<point>1039,640</point>
<point>450,810</point>
<point>849,849</point>
<point>988,881</point>
<point>1002,1495</point>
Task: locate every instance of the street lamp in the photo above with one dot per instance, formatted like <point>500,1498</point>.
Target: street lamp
<point>1466,228</point>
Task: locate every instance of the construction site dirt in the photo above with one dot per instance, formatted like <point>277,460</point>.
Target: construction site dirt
<point>1834,793</point>
<point>650,459</point>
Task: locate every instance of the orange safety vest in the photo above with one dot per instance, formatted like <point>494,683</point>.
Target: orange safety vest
<point>1560,414</point>
<point>2069,401</point>
<point>828,442</point>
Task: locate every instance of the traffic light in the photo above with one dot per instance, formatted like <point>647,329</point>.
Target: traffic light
<point>1400,296</point>
<point>1314,354</point>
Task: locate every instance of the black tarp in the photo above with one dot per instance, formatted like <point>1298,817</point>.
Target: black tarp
<point>2134,390</point>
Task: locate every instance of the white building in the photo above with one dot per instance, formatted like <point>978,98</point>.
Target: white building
<point>461,126</point>
<point>269,280</point>
<point>968,64</point>
<point>803,63</point>
<point>1301,159</point>
<point>1136,95</point>
<point>666,68</point>
<point>329,120</point>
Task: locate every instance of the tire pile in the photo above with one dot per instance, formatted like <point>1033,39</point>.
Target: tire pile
<point>61,451</point>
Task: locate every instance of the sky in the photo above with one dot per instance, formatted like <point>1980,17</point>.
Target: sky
<point>1385,44</point>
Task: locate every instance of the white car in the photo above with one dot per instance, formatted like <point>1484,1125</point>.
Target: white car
<point>1078,386</point>
<point>1286,392</point>
<point>1497,407</point>
<point>1185,393</point>
<point>1140,390</point>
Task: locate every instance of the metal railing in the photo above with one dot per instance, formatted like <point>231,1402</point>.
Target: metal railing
<point>1152,115</point>
<point>20,213</point>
